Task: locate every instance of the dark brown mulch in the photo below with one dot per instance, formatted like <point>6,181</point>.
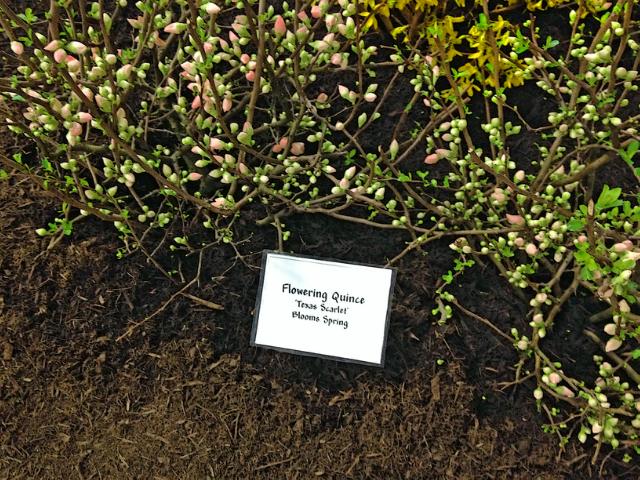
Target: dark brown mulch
<point>185,396</point>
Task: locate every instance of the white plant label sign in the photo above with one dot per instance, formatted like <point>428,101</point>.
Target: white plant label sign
<point>323,308</point>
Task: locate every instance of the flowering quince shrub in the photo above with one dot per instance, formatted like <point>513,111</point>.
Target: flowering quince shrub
<point>198,111</point>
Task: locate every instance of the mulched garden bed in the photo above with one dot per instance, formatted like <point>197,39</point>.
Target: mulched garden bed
<point>184,396</point>
<point>109,371</point>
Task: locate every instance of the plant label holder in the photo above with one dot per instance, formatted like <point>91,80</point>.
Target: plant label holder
<point>323,308</point>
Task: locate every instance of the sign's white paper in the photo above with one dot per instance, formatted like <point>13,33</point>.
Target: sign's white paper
<point>325,308</point>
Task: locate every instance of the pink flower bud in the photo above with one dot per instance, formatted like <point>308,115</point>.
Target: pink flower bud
<point>125,71</point>
<point>59,55</point>
<point>316,11</point>
<point>515,219</point>
<point>212,9</point>
<point>87,92</point>
<point>196,103</point>
<point>541,297</point>
<point>17,48</point>
<point>370,97</point>
<point>208,48</point>
<point>623,306</point>
<point>135,22</point>
<point>622,247</point>
<point>101,101</point>
<point>531,249</point>
<point>233,38</point>
<point>242,168</point>
<point>194,176</point>
<point>280,27</point>
<point>431,159</point>
<point>322,98</point>
<point>175,28</point>
<point>519,176</point>
<point>582,238</point>
<point>281,145</point>
<point>344,184</point>
<point>226,104</point>
<point>344,91</point>
<point>612,344</point>
<point>498,195</point>
<point>218,202</point>
<point>244,58</point>
<point>442,152</point>
<point>84,117</point>
<point>250,75</point>
<point>77,47</point>
<point>566,391</point>
<point>555,378</point>
<point>52,46</point>
<point>302,16</point>
<point>189,67</point>
<point>350,172</point>
<point>336,59</point>
<point>519,242</point>
<point>216,144</point>
<point>330,21</point>
<point>73,64</point>
<point>297,148</point>
<point>75,129</point>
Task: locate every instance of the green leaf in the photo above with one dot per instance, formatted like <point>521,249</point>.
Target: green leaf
<point>550,43</point>
<point>482,24</point>
<point>575,224</point>
<point>362,119</point>
<point>460,265</point>
<point>608,198</point>
<point>620,265</point>
<point>46,165</point>
<point>627,155</point>
<point>67,227</point>
<point>588,262</point>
